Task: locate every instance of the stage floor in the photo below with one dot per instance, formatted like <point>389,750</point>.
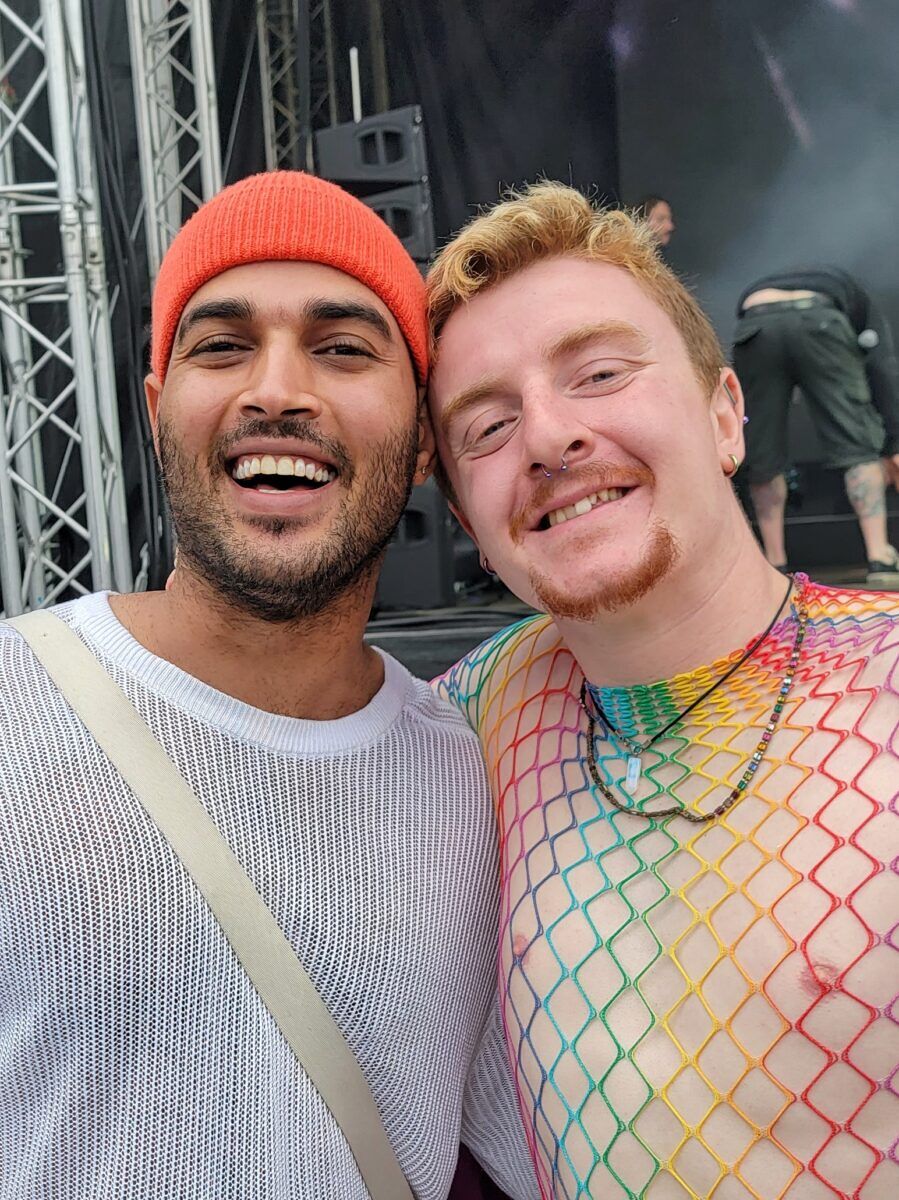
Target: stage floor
<point>428,641</point>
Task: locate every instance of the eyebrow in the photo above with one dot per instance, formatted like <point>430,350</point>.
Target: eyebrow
<point>234,308</point>
<point>470,397</point>
<point>318,309</point>
<point>568,343</point>
<point>603,331</point>
<point>323,309</point>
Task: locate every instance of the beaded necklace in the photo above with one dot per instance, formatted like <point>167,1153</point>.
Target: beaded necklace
<point>635,749</point>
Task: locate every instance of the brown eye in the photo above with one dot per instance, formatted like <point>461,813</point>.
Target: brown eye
<point>345,350</point>
<point>219,344</point>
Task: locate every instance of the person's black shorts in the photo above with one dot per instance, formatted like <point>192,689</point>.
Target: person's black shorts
<point>778,347</point>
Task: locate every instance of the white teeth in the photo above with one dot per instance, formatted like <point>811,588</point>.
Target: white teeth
<point>559,515</point>
<point>248,467</point>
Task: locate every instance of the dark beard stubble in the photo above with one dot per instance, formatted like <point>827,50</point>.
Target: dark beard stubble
<point>295,583</point>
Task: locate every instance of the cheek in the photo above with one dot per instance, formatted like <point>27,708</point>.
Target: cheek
<point>192,424</point>
<point>488,500</point>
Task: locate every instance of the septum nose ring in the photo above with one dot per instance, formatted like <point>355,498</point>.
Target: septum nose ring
<point>563,466</point>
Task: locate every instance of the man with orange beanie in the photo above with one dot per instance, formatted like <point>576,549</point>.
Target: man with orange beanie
<point>136,1059</point>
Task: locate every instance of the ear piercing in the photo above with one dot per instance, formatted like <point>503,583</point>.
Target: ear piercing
<point>736,466</point>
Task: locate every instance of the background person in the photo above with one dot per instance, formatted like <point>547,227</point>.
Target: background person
<point>819,330</point>
<point>659,217</point>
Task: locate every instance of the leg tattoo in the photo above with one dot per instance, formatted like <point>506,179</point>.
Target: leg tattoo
<point>865,489</point>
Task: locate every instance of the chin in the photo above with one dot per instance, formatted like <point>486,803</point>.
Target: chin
<point>606,587</point>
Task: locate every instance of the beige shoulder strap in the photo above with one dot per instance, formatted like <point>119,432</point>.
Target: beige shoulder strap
<point>255,936</point>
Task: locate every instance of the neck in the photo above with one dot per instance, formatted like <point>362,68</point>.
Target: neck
<point>317,668</point>
<point>691,618</point>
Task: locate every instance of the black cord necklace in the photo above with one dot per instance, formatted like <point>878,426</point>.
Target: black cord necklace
<point>632,778</point>
<point>635,749</point>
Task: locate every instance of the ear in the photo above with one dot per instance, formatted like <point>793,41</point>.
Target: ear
<point>727,411</point>
<point>152,392</point>
<point>427,444</point>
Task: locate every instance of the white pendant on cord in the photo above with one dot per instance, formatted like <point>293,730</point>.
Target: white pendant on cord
<point>631,781</point>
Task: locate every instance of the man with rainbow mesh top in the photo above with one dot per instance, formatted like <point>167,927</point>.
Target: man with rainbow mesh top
<point>693,757</point>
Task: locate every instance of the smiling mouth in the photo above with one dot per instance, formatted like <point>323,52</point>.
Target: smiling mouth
<point>559,516</point>
<point>280,473</point>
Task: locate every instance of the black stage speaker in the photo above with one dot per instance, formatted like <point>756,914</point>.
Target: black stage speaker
<point>383,160</point>
<point>388,148</point>
<point>419,567</point>
<point>407,210</point>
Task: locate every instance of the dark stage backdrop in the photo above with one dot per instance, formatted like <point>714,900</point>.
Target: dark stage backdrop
<point>774,129</point>
<point>511,89</point>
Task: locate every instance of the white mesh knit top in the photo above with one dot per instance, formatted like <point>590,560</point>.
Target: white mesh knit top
<point>136,1059</point>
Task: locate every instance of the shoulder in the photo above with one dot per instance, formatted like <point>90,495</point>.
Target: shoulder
<point>522,656</point>
<point>15,652</point>
<point>852,624</point>
<point>431,718</point>
<point>840,610</point>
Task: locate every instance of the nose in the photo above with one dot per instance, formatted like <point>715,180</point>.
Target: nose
<point>283,383</point>
<point>554,434</point>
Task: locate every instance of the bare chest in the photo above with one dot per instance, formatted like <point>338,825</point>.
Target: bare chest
<point>689,1004</point>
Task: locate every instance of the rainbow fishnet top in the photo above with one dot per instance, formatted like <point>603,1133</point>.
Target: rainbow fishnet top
<point>706,1011</point>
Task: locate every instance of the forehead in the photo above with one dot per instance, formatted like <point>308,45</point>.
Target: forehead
<point>275,287</point>
<point>507,328</point>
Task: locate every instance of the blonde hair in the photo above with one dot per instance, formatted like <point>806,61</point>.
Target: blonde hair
<point>550,220</point>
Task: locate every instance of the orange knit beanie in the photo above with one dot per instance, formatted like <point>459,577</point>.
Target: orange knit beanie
<point>298,217</point>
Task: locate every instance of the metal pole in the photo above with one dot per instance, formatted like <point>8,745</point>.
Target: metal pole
<point>140,79</point>
<point>301,43</point>
<point>96,281</point>
<point>206,98</point>
<point>355,86</point>
<point>265,86</point>
<point>380,81</point>
<point>74,264</point>
<point>330,77</point>
<point>18,367</point>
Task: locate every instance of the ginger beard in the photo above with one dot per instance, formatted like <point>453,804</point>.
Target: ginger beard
<point>287,582</point>
<point>610,591</point>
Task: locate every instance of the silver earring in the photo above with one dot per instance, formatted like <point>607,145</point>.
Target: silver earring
<point>485,565</point>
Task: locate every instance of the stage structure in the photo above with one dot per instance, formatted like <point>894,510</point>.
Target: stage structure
<point>176,105</point>
<point>63,527</point>
<point>296,69</point>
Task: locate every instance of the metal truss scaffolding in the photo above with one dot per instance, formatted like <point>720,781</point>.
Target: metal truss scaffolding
<point>63,526</point>
<point>296,64</point>
<point>177,114</point>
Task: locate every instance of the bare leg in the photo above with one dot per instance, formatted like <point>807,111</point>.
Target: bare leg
<point>866,489</point>
<point>770,500</point>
